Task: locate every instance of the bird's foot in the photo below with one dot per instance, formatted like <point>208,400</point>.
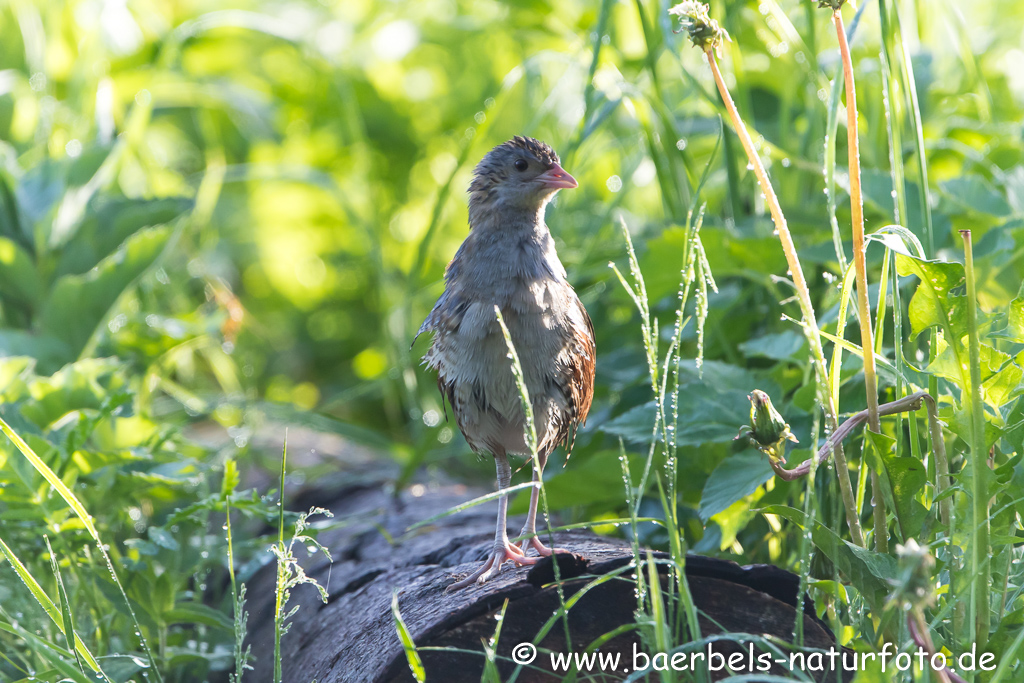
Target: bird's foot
<point>489,569</point>
<point>535,542</point>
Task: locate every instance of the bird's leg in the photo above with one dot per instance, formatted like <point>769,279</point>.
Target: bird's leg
<point>502,550</point>
<point>530,529</point>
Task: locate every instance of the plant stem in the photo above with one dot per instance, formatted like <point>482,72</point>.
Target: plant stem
<point>979,535</point>
<point>863,307</point>
<point>942,479</point>
<point>906,404</point>
<point>920,634</point>
<point>282,568</point>
<point>810,323</point>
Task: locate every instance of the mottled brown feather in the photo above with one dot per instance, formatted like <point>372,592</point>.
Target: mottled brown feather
<point>581,382</point>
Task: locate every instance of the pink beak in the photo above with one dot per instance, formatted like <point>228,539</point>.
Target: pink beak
<point>557,178</point>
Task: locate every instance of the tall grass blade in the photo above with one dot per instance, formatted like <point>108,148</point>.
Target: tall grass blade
<point>408,646</point>
<point>87,521</point>
<point>54,612</point>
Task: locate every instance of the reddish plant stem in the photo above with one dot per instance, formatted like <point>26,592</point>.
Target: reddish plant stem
<point>907,404</point>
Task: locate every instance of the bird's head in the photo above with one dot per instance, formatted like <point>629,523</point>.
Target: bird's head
<point>521,175</point>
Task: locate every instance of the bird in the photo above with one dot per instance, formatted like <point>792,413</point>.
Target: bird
<point>508,261</point>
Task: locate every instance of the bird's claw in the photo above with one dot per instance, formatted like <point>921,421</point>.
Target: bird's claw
<point>535,542</point>
<point>492,566</point>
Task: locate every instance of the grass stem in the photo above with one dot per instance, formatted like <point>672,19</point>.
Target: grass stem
<point>979,541</point>
<point>810,322</point>
<point>863,307</point>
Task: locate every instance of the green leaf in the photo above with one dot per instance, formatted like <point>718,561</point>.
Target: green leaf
<point>939,300</point>
<point>44,601</point>
<point>734,479</point>
<point>79,304</point>
<point>974,194</point>
<point>77,386</point>
<point>49,351</point>
<point>198,613</point>
<point>53,479</point>
<point>65,606</point>
<point>1015,321</point>
<point>231,479</point>
<point>786,345</point>
<point>19,278</point>
<point>713,405</point>
<point>163,538</point>
<point>709,418</point>
<point>747,257</point>
<point>907,477</point>
<point>868,571</point>
<point>108,223</point>
<point>594,479</point>
<point>959,422</point>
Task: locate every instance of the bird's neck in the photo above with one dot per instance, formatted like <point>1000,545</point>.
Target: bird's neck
<point>494,218</point>
<point>505,247</point>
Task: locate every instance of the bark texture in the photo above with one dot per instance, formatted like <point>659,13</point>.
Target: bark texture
<point>353,639</point>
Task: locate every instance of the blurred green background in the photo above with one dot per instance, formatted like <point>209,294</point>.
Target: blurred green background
<point>220,218</point>
<point>251,204</point>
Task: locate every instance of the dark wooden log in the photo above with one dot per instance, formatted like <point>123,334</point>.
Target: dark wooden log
<point>353,637</point>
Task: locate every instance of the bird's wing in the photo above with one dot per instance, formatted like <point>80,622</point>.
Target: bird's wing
<point>581,377</point>
<point>447,305</point>
<point>430,323</point>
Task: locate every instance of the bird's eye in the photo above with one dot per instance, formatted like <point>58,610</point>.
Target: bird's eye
<point>521,165</point>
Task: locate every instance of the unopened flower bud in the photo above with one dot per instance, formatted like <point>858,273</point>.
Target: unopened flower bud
<point>768,432</point>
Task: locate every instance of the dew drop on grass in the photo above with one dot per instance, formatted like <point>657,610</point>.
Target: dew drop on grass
<point>750,166</point>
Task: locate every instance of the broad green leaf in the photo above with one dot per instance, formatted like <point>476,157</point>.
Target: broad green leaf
<point>1015,321</point>
<point>713,405</point>
<point>596,478</point>
<point>79,304</point>
<point>163,538</point>
<point>1002,386</point>
<point>78,386</point>
<point>906,478</point>
<point>749,257</point>
<point>49,351</point>
<point>974,194</point>
<point>1013,181</point>
<point>19,278</point>
<point>703,418</point>
<point>788,345</point>
<point>39,190</point>
<point>734,479</point>
<point>940,299</point>
<point>197,613</point>
<point>868,571</point>
<point>959,422</point>
<point>13,368</point>
<point>108,223</point>
<point>1000,376</point>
